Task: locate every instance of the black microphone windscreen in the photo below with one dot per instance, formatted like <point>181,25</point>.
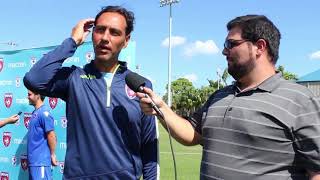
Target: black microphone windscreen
<point>135,81</point>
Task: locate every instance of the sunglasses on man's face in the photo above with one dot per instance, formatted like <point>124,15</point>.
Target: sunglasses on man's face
<point>231,43</point>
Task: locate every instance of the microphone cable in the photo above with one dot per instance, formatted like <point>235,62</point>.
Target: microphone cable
<point>170,141</point>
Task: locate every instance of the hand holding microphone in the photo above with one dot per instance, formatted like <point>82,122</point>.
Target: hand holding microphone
<point>149,101</point>
<point>13,119</point>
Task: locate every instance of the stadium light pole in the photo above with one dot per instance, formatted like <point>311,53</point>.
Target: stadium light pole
<point>165,3</point>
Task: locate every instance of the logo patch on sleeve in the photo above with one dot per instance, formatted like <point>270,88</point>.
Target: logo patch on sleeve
<point>130,93</point>
<point>46,113</point>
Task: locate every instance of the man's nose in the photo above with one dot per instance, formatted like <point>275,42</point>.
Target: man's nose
<point>225,51</point>
<point>106,36</point>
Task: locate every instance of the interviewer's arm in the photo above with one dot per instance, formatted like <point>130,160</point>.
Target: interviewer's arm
<point>180,128</point>
<point>9,120</point>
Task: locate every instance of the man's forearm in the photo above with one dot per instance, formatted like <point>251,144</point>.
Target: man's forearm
<point>180,128</point>
<point>52,141</point>
<point>4,122</point>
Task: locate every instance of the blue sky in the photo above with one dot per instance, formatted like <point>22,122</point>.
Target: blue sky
<point>199,30</point>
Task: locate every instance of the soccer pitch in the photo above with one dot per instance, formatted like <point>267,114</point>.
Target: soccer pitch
<point>187,158</point>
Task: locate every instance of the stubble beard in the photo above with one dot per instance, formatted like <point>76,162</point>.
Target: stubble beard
<point>237,71</point>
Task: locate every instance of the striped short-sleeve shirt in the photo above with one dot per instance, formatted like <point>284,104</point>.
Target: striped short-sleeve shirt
<point>269,132</point>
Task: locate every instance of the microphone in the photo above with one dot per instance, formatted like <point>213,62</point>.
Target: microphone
<point>136,83</point>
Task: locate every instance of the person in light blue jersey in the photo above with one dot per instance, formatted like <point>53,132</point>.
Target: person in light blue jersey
<point>41,139</point>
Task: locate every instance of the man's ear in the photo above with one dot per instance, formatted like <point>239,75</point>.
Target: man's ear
<point>261,45</point>
<point>127,40</point>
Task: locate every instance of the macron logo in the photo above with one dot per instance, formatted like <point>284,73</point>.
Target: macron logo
<point>89,76</point>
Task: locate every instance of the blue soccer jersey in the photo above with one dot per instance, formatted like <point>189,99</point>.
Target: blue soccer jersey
<point>40,123</point>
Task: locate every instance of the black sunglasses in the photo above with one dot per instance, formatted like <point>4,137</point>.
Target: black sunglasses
<point>231,43</point>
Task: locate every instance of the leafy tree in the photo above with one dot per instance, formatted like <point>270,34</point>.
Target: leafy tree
<point>204,93</point>
<point>186,98</point>
<point>287,75</point>
<point>225,76</point>
<point>216,84</point>
<point>184,95</point>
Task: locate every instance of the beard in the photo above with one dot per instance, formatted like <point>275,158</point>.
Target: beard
<point>238,70</point>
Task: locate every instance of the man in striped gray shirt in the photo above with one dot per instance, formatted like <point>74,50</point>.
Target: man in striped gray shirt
<point>261,127</point>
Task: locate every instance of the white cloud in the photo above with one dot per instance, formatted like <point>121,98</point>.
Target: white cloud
<point>200,47</point>
<point>191,77</point>
<point>315,55</point>
<point>175,41</point>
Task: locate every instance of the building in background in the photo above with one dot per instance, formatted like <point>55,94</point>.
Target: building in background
<point>311,81</point>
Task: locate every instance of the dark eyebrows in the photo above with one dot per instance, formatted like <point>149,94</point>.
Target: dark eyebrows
<point>111,29</point>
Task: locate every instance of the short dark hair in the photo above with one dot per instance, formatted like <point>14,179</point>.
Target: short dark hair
<point>128,15</point>
<point>42,97</point>
<point>255,27</point>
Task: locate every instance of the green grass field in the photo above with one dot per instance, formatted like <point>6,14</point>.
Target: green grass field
<point>187,159</point>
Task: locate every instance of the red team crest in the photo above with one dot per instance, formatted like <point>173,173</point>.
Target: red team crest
<point>8,99</point>
<point>130,93</point>
<point>26,119</point>
<point>4,176</point>
<point>53,102</point>
<point>6,138</point>
<point>1,64</point>
<point>24,162</point>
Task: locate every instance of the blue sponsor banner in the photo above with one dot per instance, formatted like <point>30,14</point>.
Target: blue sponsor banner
<point>13,66</point>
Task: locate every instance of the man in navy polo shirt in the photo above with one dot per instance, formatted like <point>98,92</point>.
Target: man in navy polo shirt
<point>41,139</point>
